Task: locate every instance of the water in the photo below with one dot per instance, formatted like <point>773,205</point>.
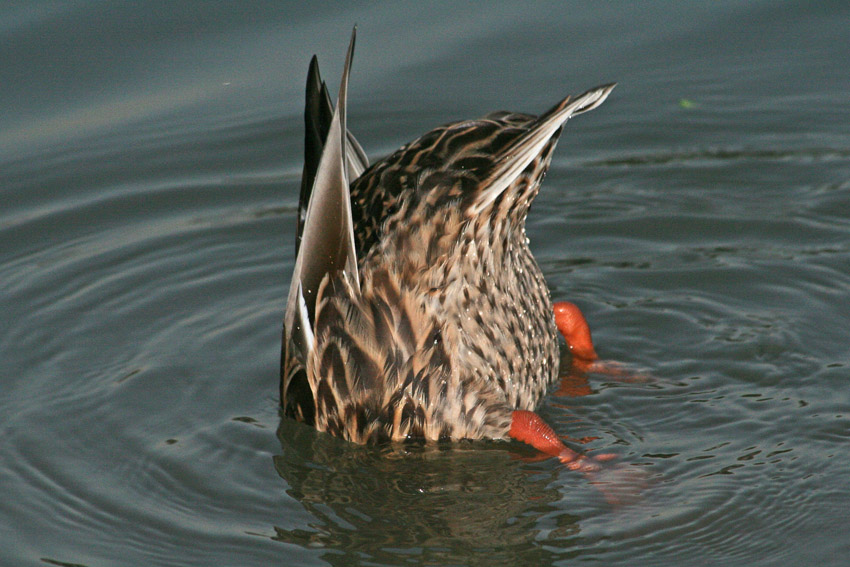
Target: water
<point>149,169</point>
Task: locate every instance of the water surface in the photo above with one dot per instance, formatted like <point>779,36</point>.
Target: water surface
<point>149,171</point>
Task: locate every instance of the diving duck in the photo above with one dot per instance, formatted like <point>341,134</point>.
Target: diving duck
<point>416,309</point>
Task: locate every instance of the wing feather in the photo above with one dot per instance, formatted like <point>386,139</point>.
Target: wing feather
<point>514,158</point>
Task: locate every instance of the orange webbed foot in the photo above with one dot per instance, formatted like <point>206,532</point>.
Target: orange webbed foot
<point>619,485</point>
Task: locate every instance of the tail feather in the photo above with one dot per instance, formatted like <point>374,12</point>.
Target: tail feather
<point>318,114</point>
<point>515,157</point>
<point>327,238</point>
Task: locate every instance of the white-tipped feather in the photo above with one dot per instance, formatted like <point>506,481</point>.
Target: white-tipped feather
<point>305,326</point>
<point>522,152</point>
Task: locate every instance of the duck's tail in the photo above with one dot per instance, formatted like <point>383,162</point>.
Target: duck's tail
<point>327,235</point>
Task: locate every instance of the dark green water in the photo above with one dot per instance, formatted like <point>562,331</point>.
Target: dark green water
<point>150,156</point>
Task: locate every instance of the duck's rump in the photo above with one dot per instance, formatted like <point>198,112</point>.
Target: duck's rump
<point>402,360</point>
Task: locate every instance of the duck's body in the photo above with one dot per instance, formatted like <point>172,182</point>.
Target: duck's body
<point>417,309</point>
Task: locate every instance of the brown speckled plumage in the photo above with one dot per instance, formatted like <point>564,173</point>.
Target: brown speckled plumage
<point>436,323</point>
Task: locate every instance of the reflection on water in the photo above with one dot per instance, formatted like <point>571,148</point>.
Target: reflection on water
<point>433,503</point>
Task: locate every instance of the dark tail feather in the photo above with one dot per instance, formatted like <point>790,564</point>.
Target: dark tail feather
<point>318,113</point>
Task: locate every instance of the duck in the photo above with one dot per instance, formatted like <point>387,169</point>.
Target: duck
<point>416,309</point>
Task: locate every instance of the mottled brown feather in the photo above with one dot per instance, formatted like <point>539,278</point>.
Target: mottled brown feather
<point>447,328</point>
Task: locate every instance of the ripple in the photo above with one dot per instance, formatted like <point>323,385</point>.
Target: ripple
<point>431,502</point>
<point>706,156</point>
<point>139,389</point>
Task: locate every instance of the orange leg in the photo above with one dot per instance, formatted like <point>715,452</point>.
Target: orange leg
<point>575,330</point>
<point>618,485</point>
<point>573,326</point>
<point>528,427</point>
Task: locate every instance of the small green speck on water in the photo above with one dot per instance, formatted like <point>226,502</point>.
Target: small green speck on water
<point>687,103</point>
